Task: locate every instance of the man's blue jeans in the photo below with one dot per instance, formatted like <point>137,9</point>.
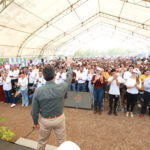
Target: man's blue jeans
<point>8,96</point>
<point>72,86</point>
<point>24,94</point>
<point>81,87</point>
<point>98,95</point>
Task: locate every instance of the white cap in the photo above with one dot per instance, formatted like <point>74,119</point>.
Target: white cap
<point>98,68</point>
<point>136,70</point>
<point>30,67</point>
<point>68,145</point>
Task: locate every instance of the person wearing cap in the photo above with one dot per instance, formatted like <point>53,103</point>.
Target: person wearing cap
<point>48,100</point>
<point>133,85</point>
<point>98,81</point>
<point>114,92</point>
<point>146,94</point>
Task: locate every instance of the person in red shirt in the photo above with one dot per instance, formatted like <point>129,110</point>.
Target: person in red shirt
<point>98,81</point>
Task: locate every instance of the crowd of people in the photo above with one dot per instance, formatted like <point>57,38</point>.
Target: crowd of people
<point>124,78</point>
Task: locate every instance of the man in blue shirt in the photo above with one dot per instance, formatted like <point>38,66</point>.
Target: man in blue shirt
<point>146,95</point>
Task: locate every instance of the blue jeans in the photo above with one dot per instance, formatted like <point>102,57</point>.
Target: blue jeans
<point>81,87</point>
<point>24,94</point>
<point>98,95</point>
<point>72,86</point>
<point>90,86</point>
<point>16,99</point>
<point>8,96</point>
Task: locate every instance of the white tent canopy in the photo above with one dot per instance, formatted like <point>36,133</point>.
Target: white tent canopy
<point>41,27</point>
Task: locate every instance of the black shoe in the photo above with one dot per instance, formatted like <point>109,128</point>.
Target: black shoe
<point>115,113</point>
<point>110,112</point>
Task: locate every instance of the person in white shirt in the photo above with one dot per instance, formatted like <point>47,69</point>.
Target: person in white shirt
<point>31,77</point>
<point>60,76</point>
<point>89,78</point>
<point>13,74</point>
<point>7,87</point>
<point>35,71</point>
<point>23,83</point>
<point>81,79</point>
<point>133,85</point>
<point>128,73</point>
<point>39,80</point>
<point>114,92</point>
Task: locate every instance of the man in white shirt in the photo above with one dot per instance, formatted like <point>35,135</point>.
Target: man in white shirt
<point>39,80</point>
<point>13,74</point>
<point>81,79</point>
<point>31,77</point>
<point>60,76</point>
<point>114,81</point>
<point>7,88</point>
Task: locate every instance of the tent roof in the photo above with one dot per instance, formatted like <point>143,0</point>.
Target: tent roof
<point>39,28</point>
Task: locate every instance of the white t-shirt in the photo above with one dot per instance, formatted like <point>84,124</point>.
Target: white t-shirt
<point>60,78</point>
<point>114,88</point>
<point>23,83</point>
<point>7,84</point>
<point>132,82</point>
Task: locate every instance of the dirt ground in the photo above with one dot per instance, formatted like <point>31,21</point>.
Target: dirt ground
<point>90,131</point>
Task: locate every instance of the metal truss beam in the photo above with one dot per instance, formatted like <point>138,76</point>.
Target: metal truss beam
<point>103,15</point>
<point>50,22</point>
<point>5,5</point>
<point>138,3</point>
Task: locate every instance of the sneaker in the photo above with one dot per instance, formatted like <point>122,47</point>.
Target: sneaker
<point>13,105</point>
<point>22,105</point>
<point>110,112</point>
<point>131,114</point>
<point>127,114</point>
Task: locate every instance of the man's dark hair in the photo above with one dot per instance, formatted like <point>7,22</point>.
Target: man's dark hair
<point>48,73</point>
<point>131,66</point>
<point>113,70</point>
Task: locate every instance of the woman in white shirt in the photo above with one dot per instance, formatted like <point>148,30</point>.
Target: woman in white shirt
<point>133,85</point>
<point>23,83</point>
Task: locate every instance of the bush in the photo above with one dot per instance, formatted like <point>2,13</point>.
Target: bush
<point>5,133</point>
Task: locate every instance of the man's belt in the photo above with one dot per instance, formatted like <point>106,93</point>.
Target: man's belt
<point>52,117</point>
